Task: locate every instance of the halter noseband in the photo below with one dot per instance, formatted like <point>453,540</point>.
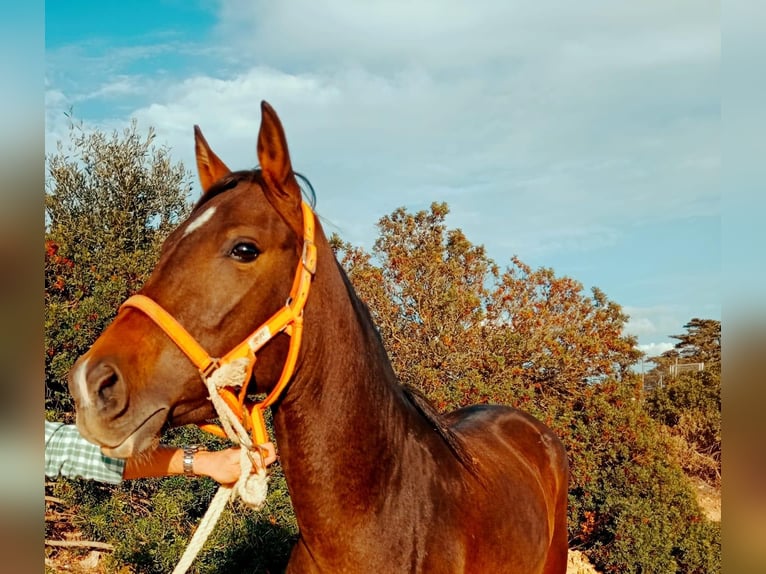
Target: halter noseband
<point>289,319</point>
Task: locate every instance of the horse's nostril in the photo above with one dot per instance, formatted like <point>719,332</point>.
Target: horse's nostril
<point>107,385</point>
<point>104,381</point>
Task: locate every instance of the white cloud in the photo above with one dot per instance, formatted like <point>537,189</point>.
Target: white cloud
<point>640,326</point>
<point>495,104</point>
<point>655,349</point>
<point>455,34</point>
<point>546,130</point>
<point>498,104</point>
<point>122,85</point>
<point>654,325</point>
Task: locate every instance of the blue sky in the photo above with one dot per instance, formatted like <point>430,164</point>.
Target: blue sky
<point>580,136</point>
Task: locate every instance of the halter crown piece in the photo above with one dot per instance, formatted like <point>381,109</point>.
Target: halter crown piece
<point>242,422</point>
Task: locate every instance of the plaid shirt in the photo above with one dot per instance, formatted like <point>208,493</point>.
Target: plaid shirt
<point>67,453</point>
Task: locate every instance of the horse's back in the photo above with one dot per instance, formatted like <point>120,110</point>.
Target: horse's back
<point>520,490</point>
<point>509,432</point>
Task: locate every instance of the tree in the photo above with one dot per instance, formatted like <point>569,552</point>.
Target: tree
<point>455,325</point>
<point>110,201</point>
<point>428,297</point>
<point>464,332</point>
<point>701,343</point>
<point>562,336</point>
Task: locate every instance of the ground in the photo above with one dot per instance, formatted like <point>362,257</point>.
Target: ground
<point>87,560</point>
<point>709,499</point>
<point>578,564</point>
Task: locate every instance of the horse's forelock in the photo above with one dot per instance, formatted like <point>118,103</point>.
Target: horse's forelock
<point>226,183</point>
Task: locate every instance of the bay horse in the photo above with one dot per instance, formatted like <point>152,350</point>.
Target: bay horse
<point>379,481</point>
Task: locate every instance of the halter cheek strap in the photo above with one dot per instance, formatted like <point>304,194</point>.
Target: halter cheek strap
<point>289,319</point>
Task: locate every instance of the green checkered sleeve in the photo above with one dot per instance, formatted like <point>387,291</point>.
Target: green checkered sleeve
<point>67,453</point>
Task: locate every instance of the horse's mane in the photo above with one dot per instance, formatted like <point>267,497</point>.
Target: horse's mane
<point>421,403</point>
<point>411,394</point>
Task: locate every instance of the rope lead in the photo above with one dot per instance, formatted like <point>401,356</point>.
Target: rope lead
<point>252,485</point>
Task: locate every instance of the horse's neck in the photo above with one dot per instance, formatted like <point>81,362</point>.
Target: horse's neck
<point>345,396</point>
<point>343,411</point>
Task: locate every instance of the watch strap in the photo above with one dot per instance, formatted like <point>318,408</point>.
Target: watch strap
<point>188,460</point>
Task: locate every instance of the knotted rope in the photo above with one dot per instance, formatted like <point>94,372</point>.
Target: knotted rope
<point>252,485</point>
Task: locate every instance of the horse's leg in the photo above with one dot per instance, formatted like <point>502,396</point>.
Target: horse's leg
<point>300,560</point>
<point>556,560</point>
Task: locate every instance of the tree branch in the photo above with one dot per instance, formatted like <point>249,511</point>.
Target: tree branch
<point>80,544</point>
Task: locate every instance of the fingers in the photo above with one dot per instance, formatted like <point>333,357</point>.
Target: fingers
<point>224,466</point>
<point>268,452</point>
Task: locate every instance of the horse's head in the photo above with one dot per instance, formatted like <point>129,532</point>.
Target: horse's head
<point>225,270</point>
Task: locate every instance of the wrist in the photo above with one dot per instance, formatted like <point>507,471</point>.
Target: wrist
<point>190,459</point>
<point>202,464</point>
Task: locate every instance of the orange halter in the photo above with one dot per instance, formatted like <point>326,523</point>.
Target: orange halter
<point>288,319</point>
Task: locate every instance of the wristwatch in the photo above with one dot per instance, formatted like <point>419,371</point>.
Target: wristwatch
<point>189,451</point>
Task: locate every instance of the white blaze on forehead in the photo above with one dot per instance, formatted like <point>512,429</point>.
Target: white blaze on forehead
<point>201,220</point>
<point>82,383</point>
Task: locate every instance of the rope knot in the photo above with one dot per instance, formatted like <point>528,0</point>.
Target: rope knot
<point>252,486</point>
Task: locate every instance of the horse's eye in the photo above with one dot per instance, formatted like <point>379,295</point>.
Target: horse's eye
<point>245,252</point>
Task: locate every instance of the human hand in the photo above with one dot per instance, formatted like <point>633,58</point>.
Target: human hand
<point>223,466</point>
<point>268,452</point>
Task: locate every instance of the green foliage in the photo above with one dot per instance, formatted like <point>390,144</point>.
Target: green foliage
<point>631,507</point>
<point>690,407</point>
<point>150,522</point>
<point>701,342</point>
<point>110,201</point>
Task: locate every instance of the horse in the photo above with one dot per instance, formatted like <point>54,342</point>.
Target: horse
<point>379,480</point>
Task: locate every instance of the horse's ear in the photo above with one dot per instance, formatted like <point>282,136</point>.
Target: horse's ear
<point>282,189</point>
<point>209,166</point>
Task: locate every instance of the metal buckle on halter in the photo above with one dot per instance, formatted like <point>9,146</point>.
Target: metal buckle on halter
<point>309,265</point>
<point>211,368</point>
